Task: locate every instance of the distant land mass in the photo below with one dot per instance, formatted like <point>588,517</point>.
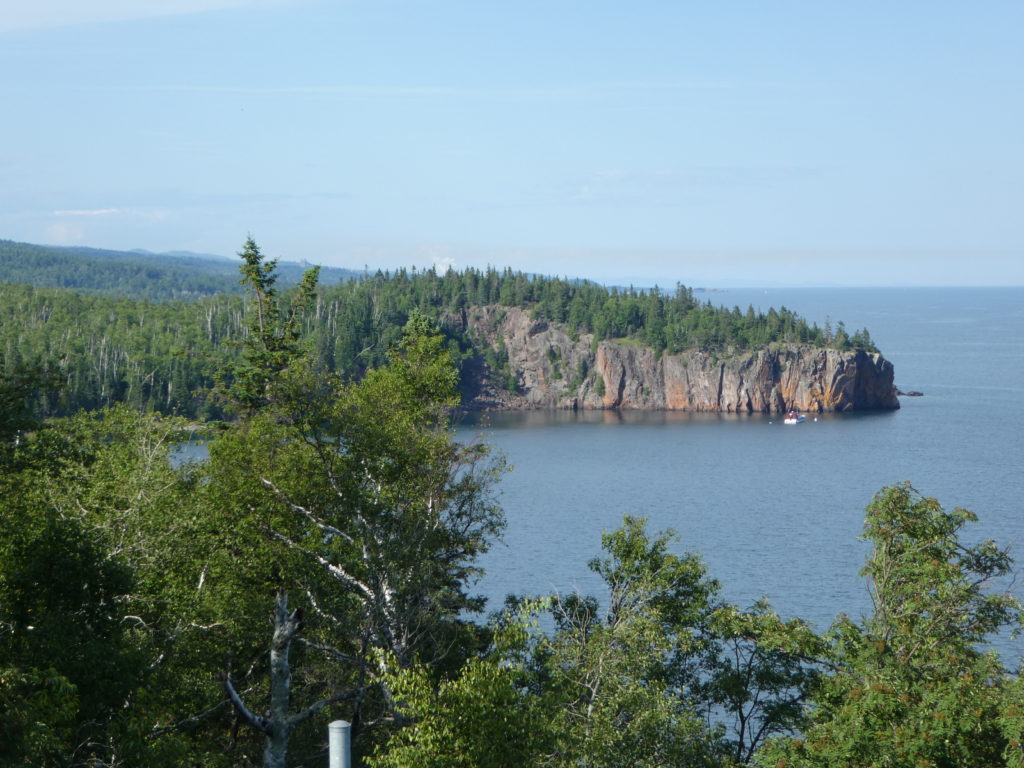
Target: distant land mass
<point>555,367</point>
<point>521,341</point>
<point>138,274</point>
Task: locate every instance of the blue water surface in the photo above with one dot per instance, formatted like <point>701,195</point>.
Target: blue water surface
<point>777,510</point>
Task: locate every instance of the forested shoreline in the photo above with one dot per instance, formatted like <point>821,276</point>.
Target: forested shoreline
<point>165,356</point>
<point>321,565</point>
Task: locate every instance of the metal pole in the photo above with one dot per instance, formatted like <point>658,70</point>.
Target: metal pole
<point>339,741</point>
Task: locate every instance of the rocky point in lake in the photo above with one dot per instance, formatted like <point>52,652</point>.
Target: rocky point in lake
<point>553,369</point>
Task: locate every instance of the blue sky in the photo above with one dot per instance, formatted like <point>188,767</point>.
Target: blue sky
<point>735,143</point>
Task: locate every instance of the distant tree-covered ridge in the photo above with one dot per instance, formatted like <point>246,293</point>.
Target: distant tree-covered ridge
<point>136,274</point>
<point>164,356</point>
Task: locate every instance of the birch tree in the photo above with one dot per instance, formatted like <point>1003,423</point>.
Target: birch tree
<point>359,503</point>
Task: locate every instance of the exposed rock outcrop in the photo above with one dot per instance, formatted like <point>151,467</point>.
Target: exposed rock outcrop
<point>553,370</point>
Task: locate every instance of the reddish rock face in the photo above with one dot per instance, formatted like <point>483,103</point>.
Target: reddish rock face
<point>553,370</point>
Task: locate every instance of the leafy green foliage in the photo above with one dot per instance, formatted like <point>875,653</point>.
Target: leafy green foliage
<point>911,686</point>
<point>39,706</point>
<point>603,690</point>
<point>482,718</point>
<point>59,600</point>
<point>75,597</point>
<point>619,685</point>
<point>760,676</point>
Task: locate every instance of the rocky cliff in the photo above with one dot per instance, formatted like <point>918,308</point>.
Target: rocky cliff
<point>553,370</point>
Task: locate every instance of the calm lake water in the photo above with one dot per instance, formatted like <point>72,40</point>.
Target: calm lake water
<point>777,510</point>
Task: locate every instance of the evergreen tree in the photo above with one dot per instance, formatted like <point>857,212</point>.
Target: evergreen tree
<point>273,343</point>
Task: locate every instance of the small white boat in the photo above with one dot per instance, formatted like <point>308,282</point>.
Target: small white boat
<point>793,418</point>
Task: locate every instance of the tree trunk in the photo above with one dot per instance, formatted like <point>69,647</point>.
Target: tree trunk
<point>277,726</point>
<point>285,628</point>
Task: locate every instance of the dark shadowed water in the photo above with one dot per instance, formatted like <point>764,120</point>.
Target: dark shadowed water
<point>776,510</point>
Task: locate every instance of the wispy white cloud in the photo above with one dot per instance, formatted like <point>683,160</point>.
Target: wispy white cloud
<point>91,212</point>
<point>64,13</point>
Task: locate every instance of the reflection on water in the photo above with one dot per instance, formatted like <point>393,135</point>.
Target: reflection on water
<point>546,419</point>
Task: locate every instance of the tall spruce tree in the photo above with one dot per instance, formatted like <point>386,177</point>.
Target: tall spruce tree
<point>274,340</point>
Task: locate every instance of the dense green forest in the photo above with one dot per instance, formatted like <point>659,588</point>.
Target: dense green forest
<point>320,565</point>
<point>136,274</point>
<point>165,356</point>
